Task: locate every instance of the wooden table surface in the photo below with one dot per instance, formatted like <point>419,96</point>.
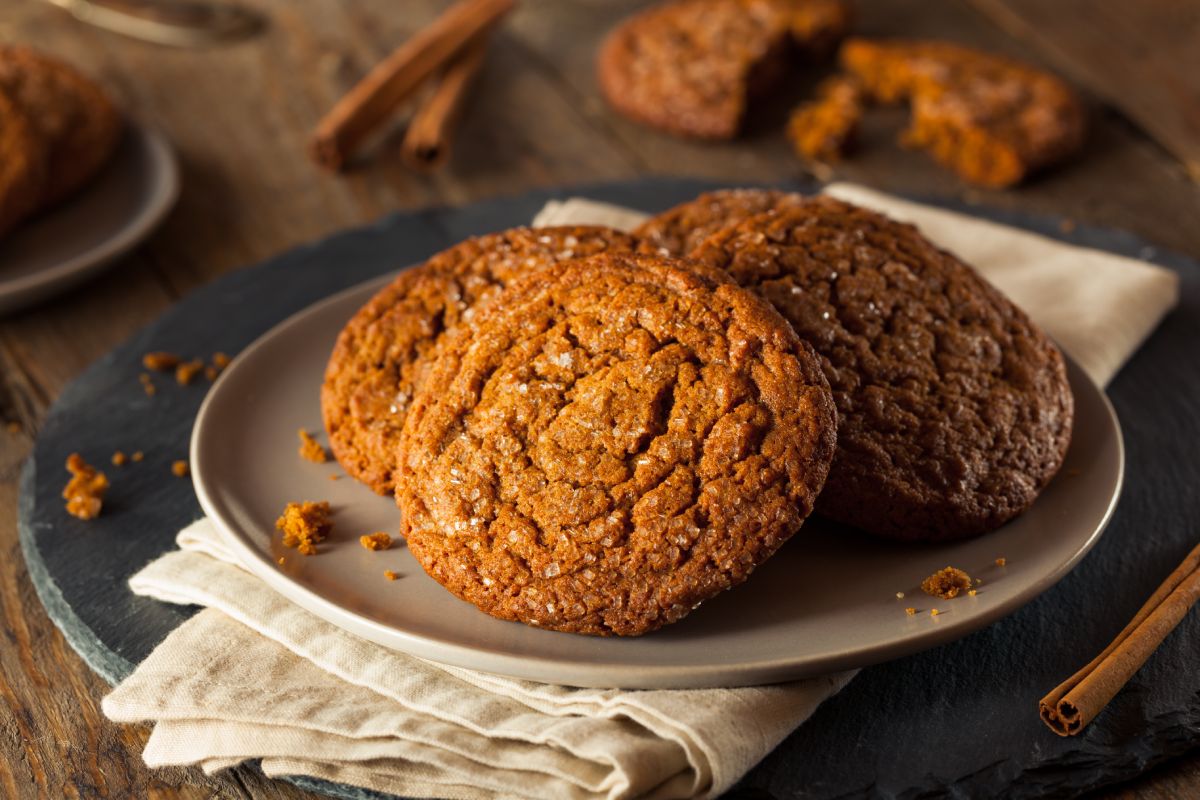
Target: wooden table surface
<point>239,116</point>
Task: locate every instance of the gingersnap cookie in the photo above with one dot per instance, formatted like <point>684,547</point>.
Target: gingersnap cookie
<point>690,67</point>
<point>22,164</point>
<point>953,407</point>
<point>991,119</point>
<point>382,354</point>
<point>612,443</point>
<point>679,230</point>
<point>69,112</point>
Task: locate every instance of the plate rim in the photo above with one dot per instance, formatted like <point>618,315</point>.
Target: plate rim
<point>26,289</point>
<point>549,669</point>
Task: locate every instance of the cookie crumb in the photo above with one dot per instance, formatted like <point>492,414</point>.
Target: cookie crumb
<point>160,361</point>
<point>147,384</point>
<point>279,561</point>
<point>311,449</point>
<point>946,583</point>
<point>1002,562</point>
<point>220,360</point>
<point>179,469</point>
<point>186,373</point>
<point>899,595</point>
<point>304,525</point>
<point>211,373</point>
<point>137,456</point>
<point>119,459</point>
<point>972,592</point>
<point>375,541</point>
<point>391,576</point>
<point>933,612</point>
<point>333,476</point>
<point>84,493</point>
<point>910,611</point>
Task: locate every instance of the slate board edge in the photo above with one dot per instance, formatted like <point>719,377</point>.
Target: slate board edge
<point>113,667</point>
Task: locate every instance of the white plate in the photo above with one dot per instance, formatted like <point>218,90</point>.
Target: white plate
<point>107,218</point>
<point>827,601</point>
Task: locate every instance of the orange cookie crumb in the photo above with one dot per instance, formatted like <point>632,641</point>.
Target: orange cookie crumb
<point>147,384</point>
<point>160,361</point>
<point>333,476</point>
<point>84,493</point>
<point>375,541</point>
<point>391,576</point>
<point>119,459</point>
<point>1002,562</point>
<point>186,373</point>
<point>946,583</point>
<point>179,469</point>
<point>304,525</point>
<point>211,373</point>
<point>910,611</point>
<point>311,449</point>
<point>137,456</point>
<point>972,592</point>
<point>220,360</point>
<point>933,612</point>
<point>279,561</point>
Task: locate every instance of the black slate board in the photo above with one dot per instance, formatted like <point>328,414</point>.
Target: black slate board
<point>958,720</point>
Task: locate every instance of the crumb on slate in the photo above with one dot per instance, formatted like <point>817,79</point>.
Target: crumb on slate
<point>304,525</point>
<point>179,469</point>
<point>311,449</point>
<point>375,541</point>
<point>137,456</point>
<point>946,583</point>
<point>119,459</point>
<point>186,372</point>
<point>160,361</point>
<point>147,384</point>
<point>84,493</point>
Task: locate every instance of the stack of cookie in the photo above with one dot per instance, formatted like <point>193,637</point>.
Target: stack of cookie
<point>57,129</point>
<point>594,432</point>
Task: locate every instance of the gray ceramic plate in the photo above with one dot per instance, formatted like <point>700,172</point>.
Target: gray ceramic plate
<point>827,601</point>
<point>116,211</point>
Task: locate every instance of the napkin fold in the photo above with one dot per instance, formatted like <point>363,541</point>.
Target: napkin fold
<point>253,676</point>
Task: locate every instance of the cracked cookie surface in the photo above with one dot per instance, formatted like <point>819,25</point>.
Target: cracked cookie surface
<point>611,444</point>
<point>383,353</point>
<point>954,409</point>
<point>679,230</point>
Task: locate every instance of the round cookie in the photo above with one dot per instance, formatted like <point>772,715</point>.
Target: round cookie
<point>679,230</point>
<point>70,113</point>
<point>611,444</point>
<point>383,352</point>
<point>689,67</point>
<point>22,164</point>
<point>954,409</point>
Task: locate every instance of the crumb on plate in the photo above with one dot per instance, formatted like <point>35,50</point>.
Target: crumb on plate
<point>946,583</point>
<point>391,576</point>
<point>375,541</point>
<point>186,372</point>
<point>311,449</point>
<point>119,459</point>
<point>160,361</point>
<point>1001,562</point>
<point>304,525</point>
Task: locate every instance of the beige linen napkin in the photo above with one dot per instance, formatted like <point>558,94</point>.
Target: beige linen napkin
<point>253,676</point>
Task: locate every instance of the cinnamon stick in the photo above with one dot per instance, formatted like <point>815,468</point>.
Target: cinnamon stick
<point>1077,701</point>
<point>393,80</point>
<point>427,141</point>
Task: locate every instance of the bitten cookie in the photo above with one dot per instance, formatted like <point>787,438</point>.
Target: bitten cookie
<point>689,67</point>
<point>383,352</point>
<point>611,444</point>
<point>954,409</point>
<point>993,120</point>
<point>70,113</point>
<point>677,231</point>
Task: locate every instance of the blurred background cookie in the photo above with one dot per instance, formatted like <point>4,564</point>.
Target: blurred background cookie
<point>22,164</point>
<point>71,116</point>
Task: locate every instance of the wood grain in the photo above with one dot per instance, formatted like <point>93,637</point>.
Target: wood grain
<point>1142,58</point>
<point>239,117</point>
